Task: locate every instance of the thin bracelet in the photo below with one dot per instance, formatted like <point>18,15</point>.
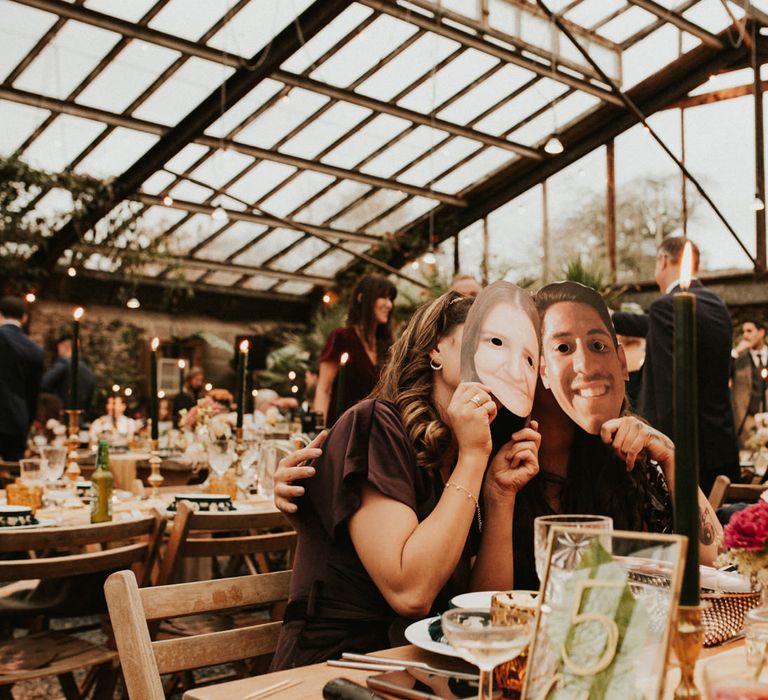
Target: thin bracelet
<point>470,496</point>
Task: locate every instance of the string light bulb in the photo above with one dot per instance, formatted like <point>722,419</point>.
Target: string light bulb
<point>219,214</point>
<point>168,201</point>
<point>72,272</point>
<point>758,204</point>
<point>554,146</point>
<point>30,298</point>
<point>291,375</point>
<point>208,386</point>
<point>128,391</point>
<point>133,303</point>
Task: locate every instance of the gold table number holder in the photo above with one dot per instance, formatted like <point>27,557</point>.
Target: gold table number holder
<point>155,478</point>
<point>73,441</point>
<point>687,642</point>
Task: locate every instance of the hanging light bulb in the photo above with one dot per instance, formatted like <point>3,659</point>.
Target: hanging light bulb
<point>758,204</point>
<point>30,298</point>
<point>219,214</point>
<point>133,303</point>
<point>72,272</point>
<point>554,146</point>
<point>168,200</point>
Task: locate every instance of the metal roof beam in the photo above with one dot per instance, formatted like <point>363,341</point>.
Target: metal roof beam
<point>238,85</point>
<point>679,21</point>
<point>433,24</point>
<point>409,114</point>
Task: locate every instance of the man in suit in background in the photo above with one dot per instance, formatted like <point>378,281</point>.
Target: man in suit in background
<point>718,451</point>
<point>21,367</point>
<point>56,378</point>
<point>750,378</point>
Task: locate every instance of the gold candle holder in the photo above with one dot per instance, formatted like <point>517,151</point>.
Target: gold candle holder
<point>687,642</point>
<point>239,451</point>
<point>155,478</point>
<point>73,441</point>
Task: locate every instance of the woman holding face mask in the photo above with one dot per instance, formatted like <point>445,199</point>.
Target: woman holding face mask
<point>389,524</point>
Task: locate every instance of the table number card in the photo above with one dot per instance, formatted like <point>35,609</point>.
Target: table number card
<point>607,602</point>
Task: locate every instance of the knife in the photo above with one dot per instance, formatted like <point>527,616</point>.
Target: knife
<point>409,664</point>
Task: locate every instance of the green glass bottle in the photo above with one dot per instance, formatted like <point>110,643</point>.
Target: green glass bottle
<point>101,486</point>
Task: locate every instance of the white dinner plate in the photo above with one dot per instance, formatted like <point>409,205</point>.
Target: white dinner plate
<point>418,635</point>
<point>41,522</point>
<point>475,599</point>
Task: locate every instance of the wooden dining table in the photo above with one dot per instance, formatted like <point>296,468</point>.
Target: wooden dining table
<point>313,678</point>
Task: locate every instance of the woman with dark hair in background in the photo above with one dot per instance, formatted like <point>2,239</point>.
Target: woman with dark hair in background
<point>365,339</point>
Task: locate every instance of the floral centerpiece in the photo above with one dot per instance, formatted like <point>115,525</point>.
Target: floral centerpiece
<point>206,422</point>
<point>746,543</point>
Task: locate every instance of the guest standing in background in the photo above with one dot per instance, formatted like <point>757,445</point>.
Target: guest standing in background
<point>189,395</point>
<point>718,453</point>
<point>21,367</point>
<point>466,285</point>
<point>56,378</point>
<point>366,339</point>
<point>748,386</point>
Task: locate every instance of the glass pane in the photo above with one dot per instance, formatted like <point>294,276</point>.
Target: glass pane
<point>296,288</point>
<point>19,122</point>
<point>195,230</point>
<point>328,204</point>
<point>627,23</point>
<point>438,162</point>
<point>365,141</point>
<point>132,11</point>
<point>364,51</point>
<point>67,136</point>
<point>234,117</point>
<point>184,159</point>
<point>157,220</point>
<point>20,30</point>
<point>300,255</point>
<point>74,52</point>
<point>330,263</point>
<point>650,55</point>
<point>404,215</point>
<point>230,241</point>
<point>192,275</point>
<point>361,214</point>
<point>590,12</point>
<point>221,167</point>
<point>298,190</point>
<point>54,203</point>
<point>157,183</point>
<point>116,153</point>
<point>322,131</point>
<point>127,76</point>
<point>260,180</point>
<point>268,246</point>
<point>190,192</point>
<point>404,151</point>
<point>191,21</point>
<point>709,15</point>
<point>225,279</point>
<point>475,170</point>
<point>183,91</point>
<point>259,283</point>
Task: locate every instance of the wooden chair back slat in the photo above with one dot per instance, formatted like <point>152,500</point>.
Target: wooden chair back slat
<point>723,491</point>
<point>143,660</point>
<point>220,594</point>
<point>220,546</point>
<point>234,521</point>
<point>186,653</point>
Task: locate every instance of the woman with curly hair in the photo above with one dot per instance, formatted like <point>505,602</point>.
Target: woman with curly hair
<point>388,526</point>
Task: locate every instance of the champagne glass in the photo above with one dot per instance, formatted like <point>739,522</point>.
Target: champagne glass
<point>543,523</point>
<point>221,454</point>
<point>486,640</point>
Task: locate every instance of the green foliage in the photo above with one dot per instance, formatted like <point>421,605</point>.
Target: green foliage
<point>593,276</point>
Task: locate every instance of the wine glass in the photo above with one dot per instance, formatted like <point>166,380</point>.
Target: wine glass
<point>221,454</point>
<point>53,460</point>
<point>543,523</point>
<point>486,640</point>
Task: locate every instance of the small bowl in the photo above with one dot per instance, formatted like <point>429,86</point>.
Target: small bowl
<point>475,599</point>
<point>16,516</point>
<point>205,502</point>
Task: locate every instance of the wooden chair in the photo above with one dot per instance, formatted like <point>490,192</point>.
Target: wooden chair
<point>143,661</point>
<point>60,553</point>
<point>723,492</point>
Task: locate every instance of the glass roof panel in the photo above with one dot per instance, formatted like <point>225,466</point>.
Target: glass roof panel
<point>404,151</point>
<point>234,117</point>
<point>649,55</point>
<point>251,28</point>
<point>541,127</point>
<point>409,65</point>
<point>438,162</point>
<point>126,77</point>
<point>157,182</point>
<point>709,15</point>
<point>196,229</point>
<point>325,129</point>
<point>132,11</point>
<point>485,95</point>
<point>191,275</point>
<point>20,30</point>
<point>330,263</point>
<point>54,203</point>
<point>505,117</point>
<point>19,122</point>
<point>328,204</point>
<point>317,46</point>
<point>627,23</point>
<point>277,121</point>
<point>224,279</point>
<point>294,288</point>
<point>298,190</point>
<point>357,217</point>
<point>268,246</point>
<point>402,216</point>
<point>159,219</point>
<point>230,241</point>
<point>189,21</point>
<point>191,192</point>
<point>590,12</point>
<point>460,72</point>
<point>364,51</point>
<point>57,146</point>
<point>221,167</point>
<point>365,141</point>
<point>300,255</point>
<point>183,91</point>
<point>475,170</point>
<point>116,153</point>
<point>259,283</point>
<point>260,180</point>
<point>184,159</point>
<point>72,54</point>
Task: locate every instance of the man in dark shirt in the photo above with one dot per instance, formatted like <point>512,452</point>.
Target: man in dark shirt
<point>718,453</point>
<point>56,378</point>
<point>188,397</point>
<point>21,366</point>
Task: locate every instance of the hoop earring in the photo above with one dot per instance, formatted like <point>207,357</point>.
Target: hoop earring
<point>435,367</point>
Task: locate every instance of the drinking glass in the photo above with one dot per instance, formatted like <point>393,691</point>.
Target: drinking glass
<point>543,523</point>
<point>54,459</point>
<point>486,640</point>
<point>221,454</point>
<point>31,471</point>
<point>510,676</point>
<point>756,633</point>
<point>732,680</point>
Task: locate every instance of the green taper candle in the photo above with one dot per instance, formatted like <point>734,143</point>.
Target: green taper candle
<point>153,399</point>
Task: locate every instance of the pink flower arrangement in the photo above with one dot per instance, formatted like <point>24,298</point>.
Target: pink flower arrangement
<point>201,413</point>
<point>748,529</point>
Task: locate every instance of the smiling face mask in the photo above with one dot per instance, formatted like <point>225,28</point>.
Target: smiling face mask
<point>500,347</point>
